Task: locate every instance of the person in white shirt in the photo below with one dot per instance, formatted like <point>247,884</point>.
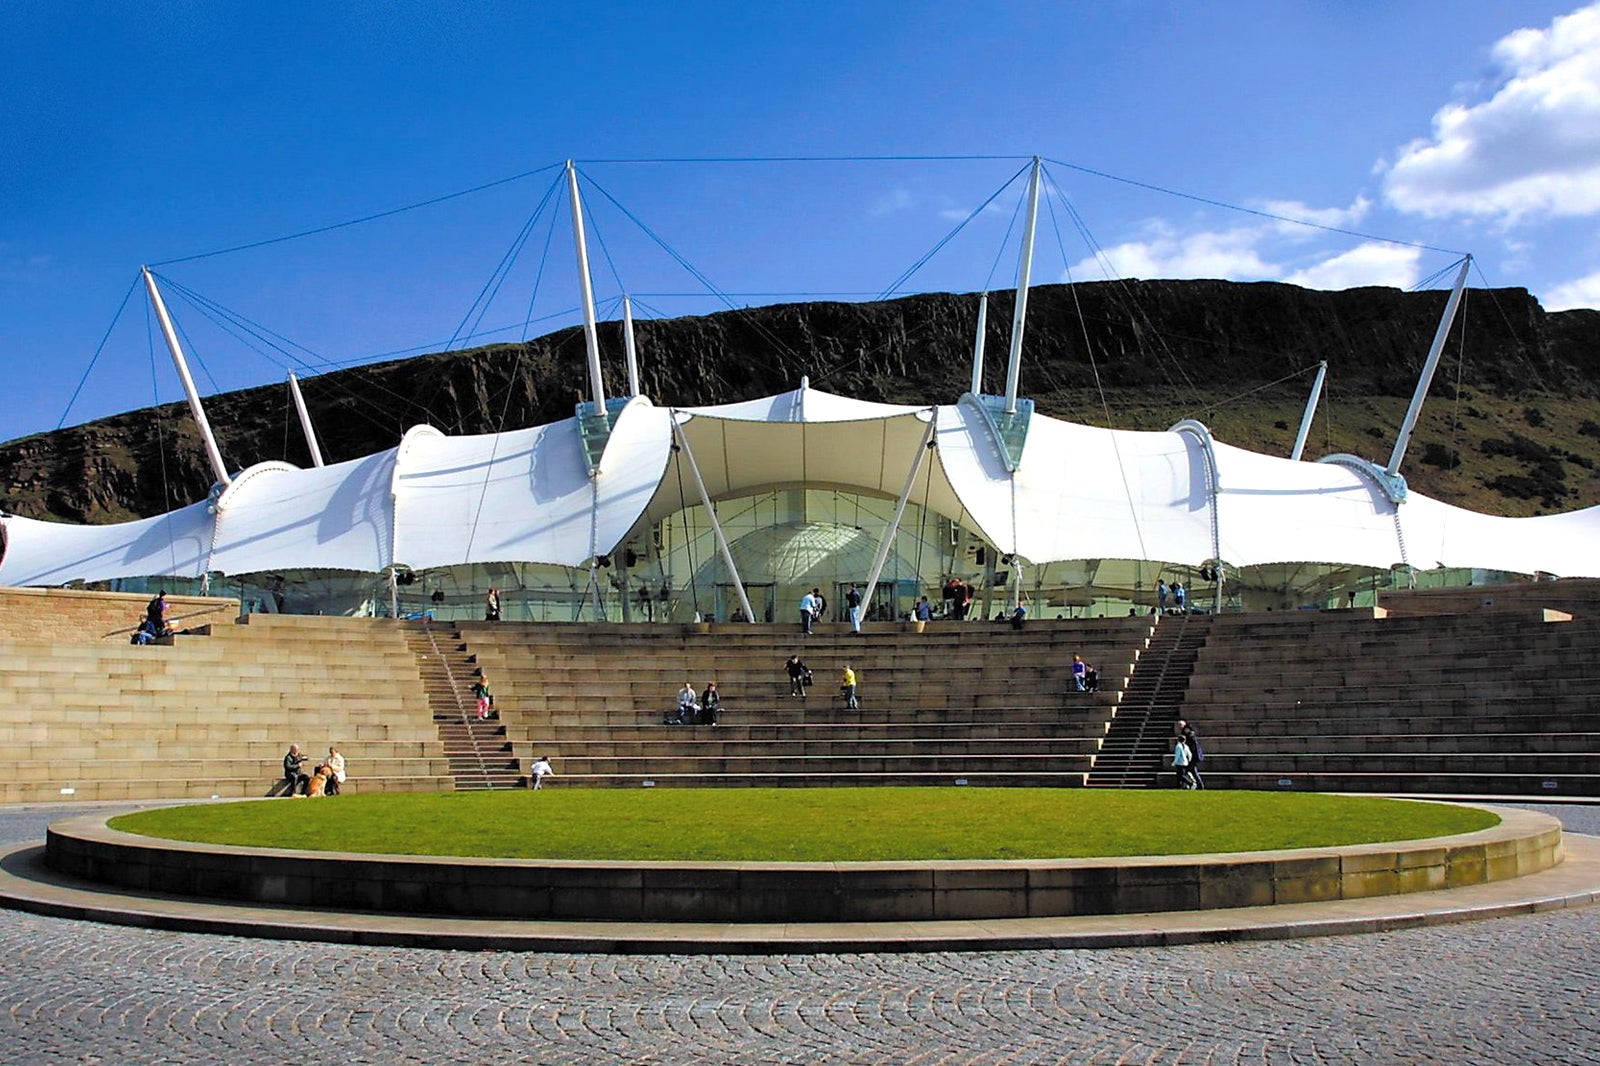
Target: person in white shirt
<point>536,773</point>
<point>335,766</point>
<point>808,612</point>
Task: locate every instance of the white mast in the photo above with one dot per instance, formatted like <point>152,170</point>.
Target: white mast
<point>590,337</point>
<point>1432,364</point>
<point>305,420</point>
<point>171,334</point>
<point>887,544</point>
<point>1024,272</point>
<point>630,346</point>
<point>711,513</point>
<point>1311,412</point>
<point>977,346</point>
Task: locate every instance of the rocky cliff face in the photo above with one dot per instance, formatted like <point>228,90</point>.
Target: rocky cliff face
<point>1519,398</point>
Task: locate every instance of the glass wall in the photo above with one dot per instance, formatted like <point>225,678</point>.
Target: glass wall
<point>786,542</point>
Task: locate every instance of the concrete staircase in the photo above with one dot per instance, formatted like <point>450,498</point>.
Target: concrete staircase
<point>1139,737</point>
<point>481,756</point>
<point>1493,701</point>
<point>974,702</point>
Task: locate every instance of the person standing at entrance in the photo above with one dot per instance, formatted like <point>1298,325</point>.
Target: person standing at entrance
<point>852,600</point>
<point>808,612</point>
<point>491,606</point>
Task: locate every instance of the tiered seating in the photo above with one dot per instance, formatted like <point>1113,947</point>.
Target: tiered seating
<point>212,715</point>
<point>976,701</point>
<point>1489,702</point>
<point>1579,597</point>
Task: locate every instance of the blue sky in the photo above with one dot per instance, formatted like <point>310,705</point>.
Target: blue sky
<point>145,133</point>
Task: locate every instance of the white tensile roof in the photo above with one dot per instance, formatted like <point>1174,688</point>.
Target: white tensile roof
<point>1078,492</point>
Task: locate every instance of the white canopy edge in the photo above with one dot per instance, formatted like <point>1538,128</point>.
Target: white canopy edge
<point>1079,492</point>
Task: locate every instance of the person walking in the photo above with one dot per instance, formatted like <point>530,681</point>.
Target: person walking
<point>1161,595</point>
<point>485,698</point>
<point>1180,762</point>
<point>799,676</point>
<point>540,769</point>
<point>1197,754</point>
<point>847,686</point>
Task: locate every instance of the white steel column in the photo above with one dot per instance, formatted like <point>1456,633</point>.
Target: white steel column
<point>716,527</point>
<point>977,346</point>
<point>630,346</point>
<point>1024,274</point>
<point>1311,412</point>
<point>887,543</point>
<point>305,420</point>
<point>171,334</point>
<point>1432,364</point>
<point>590,337</point>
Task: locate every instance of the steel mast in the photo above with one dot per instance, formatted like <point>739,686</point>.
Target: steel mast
<point>212,451</point>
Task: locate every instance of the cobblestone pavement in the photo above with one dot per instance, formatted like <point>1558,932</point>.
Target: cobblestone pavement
<point>1514,990</point>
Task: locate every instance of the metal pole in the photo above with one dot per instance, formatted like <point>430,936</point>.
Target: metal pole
<point>1428,368</point>
<point>630,346</point>
<point>977,346</point>
<point>887,543</point>
<point>716,527</point>
<point>212,451</point>
<point>590,337</point>
<point>1311,412</point>
<point>305,420</point>
<point>1024,273</point>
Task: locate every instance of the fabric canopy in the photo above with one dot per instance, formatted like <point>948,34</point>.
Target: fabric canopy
<point>529,495</point>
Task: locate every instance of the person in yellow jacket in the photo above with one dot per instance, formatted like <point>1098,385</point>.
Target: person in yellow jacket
<point>847,685</point>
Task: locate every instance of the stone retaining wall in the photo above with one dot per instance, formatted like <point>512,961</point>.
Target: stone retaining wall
<point>1523,843</point>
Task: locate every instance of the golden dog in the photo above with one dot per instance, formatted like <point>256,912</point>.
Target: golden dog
<point>319,782</point>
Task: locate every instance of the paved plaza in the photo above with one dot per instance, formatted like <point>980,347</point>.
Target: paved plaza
<point>1509,990</point>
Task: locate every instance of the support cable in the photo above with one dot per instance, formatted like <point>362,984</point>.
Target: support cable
<point>101,347</point>
<point>363,219</point>
<point>905,276</point>
<point>1250,210</point>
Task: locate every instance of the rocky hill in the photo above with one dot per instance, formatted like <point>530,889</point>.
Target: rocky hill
<point>1512,424</point>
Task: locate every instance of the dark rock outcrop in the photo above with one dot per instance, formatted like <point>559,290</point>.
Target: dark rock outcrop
<point>1160,349</point>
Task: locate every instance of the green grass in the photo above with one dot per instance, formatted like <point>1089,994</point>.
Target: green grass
<point>810,825</point>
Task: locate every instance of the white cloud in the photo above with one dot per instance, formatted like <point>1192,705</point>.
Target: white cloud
<point>1530,149</point>
<point>891,202</point>
<point>1332,217</point>
<point>1228,254</point>
<point>960,214</point>
<point>1366,264</point>
<point>1582,292</point>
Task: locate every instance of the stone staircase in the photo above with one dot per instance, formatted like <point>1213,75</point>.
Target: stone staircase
<point>480,753</point>
<point>1139,736</point>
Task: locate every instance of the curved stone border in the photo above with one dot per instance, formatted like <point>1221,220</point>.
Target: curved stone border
<point>1524,843</point>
